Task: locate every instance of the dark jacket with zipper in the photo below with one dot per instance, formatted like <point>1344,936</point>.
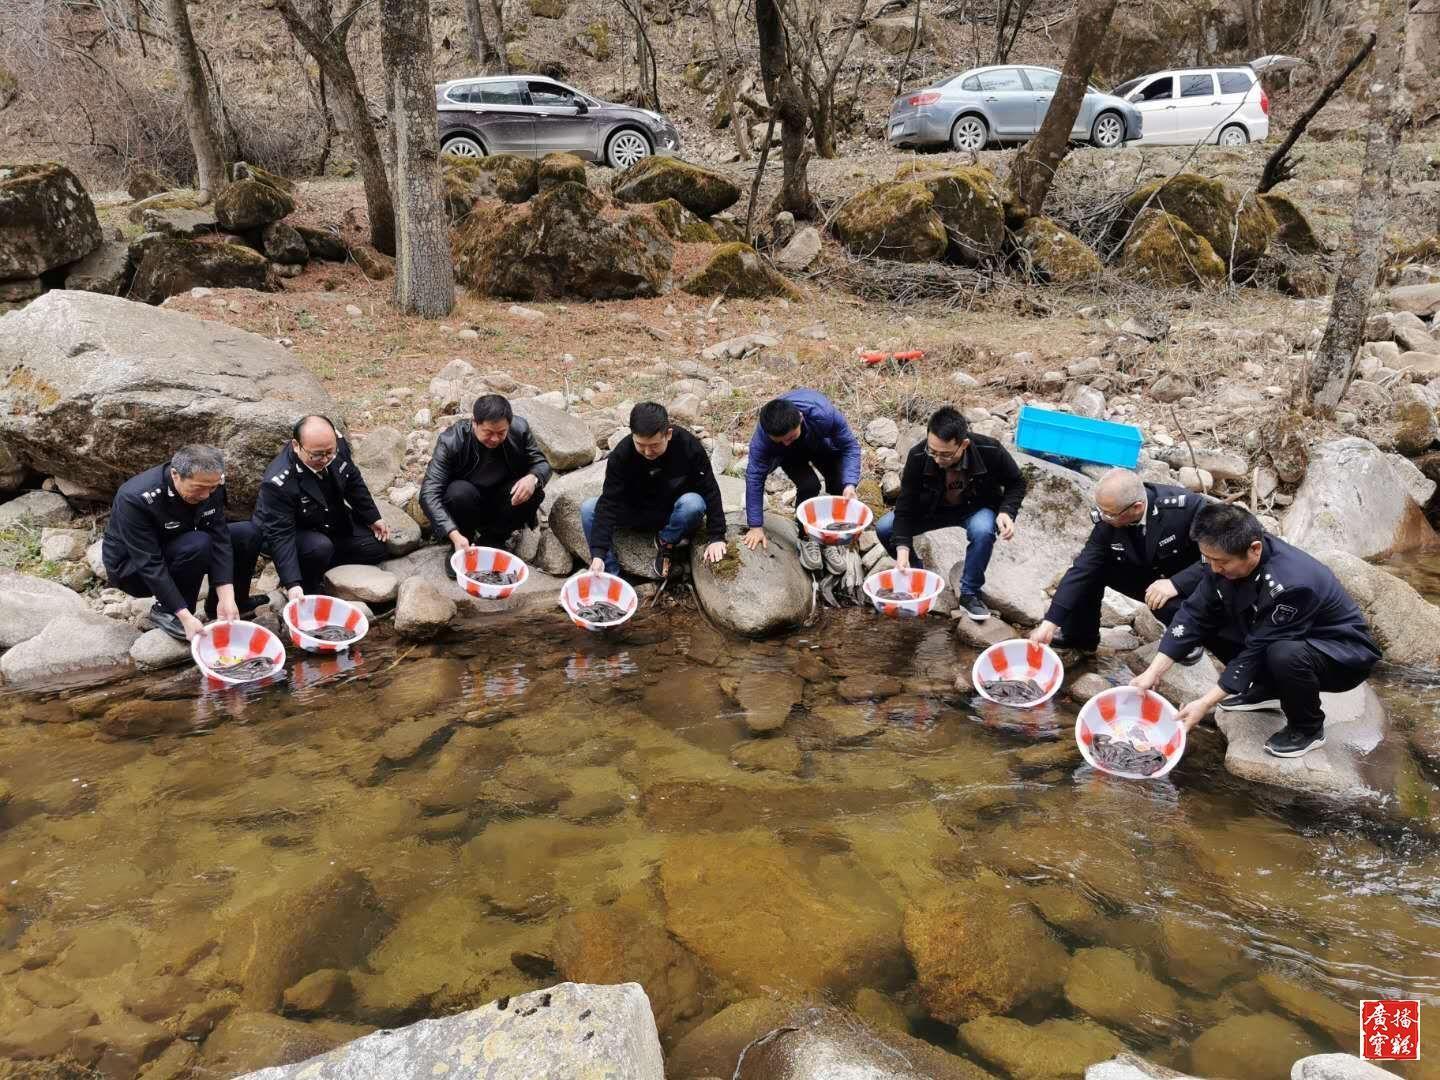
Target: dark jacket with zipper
<point>293,498</point>
<point>1162,548</point>
<point>996,483</point>
<point>456,457</point>
<point>646,490</point>
<point>146,515</point>
<point>1290,596</point>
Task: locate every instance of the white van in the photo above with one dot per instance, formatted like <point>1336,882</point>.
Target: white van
<point>1227,106</point>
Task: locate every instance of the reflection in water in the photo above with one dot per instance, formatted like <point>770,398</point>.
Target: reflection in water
<point>401,834</point>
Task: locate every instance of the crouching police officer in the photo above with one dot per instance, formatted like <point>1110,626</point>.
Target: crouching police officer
<point>1140,546</point>
<point>1278,619</point>
<point>315,510</point>
<point>167,531</point>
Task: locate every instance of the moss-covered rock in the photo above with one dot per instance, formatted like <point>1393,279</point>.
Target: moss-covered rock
<point>738,270</point>
<point>895,220</point>
<point>549,9</point>
<point>562,244</point>
<point>1051,1050</point>
<point>701,191</point>
<point>1237,230</point>
<point>1107,985</point>
<point>508,177</point>
<point>560,168</point>
<point>680,224</point>
<point>1055,255</point>
<point>593,41</point>
<point>323,244</point>
<point>1164,251</point>
<point>141,183</point>
<point>1292,227</point>
<point>166,200</point>
<point>46,220</point>
<point>969,203</point>
<point>251,204</point>
<point>283,244</point>
<point>245,171</point>
<point>977,951</point>
<point>175,266</point>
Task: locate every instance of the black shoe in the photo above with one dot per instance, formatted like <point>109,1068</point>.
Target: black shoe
<point>1291,742</point>
<point>1060,641</point>
<point>973,606</point>
<point>1191,658</point>
<point>168,621</point>
<point>1252,700</point>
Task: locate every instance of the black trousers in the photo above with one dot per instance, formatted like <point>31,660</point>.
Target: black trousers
<point>319,551</point>
<point>1081,627</point>
<point>802,473</point>
<point>485,514</point>
<point>1297,673</point>
<point>187,557</point>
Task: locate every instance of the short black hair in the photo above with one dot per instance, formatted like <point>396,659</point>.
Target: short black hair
<point>492,407</point>
<point>299,424</point>
<point>1226,526</point>
<point>947,423</point>
<point>648,419</point>
<point>779,417</point>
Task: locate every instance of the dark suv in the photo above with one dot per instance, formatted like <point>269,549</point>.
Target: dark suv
<point>534,116</point>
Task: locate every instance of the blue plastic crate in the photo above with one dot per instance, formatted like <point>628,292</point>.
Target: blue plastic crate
<point>1066,435</point>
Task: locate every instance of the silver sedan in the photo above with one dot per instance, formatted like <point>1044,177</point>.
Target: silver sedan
<point>993,105</point>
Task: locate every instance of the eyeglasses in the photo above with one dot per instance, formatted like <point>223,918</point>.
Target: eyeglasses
<point>319,456</point>
<point>942,455</point>
<point>1116,517</point>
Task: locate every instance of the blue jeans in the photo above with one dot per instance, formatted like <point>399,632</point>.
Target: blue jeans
<point>980,533</point>
<point>684,517</point>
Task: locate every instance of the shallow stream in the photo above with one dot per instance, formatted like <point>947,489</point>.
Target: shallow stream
<point>437,827</point>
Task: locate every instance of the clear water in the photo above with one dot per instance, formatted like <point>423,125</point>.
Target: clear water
<point>471,798</point>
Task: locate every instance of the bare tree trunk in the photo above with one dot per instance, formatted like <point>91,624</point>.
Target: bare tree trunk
<point>1254,27</point>
<point>644,56</point>
<point>481,49</point>
<point>424,274</point>
<point>325,41</point>
<point>1389,113</point>
<point>1279,166</point>
<point>209,161</point>
<point>501,55</point>
<point>910,52</point>
<point>1033,169</point>
<point>786,104</point>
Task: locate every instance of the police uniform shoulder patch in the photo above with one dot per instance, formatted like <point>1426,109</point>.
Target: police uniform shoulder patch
<point>1281,614</point>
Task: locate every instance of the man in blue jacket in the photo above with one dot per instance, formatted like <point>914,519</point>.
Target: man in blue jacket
<point>1279,620</point>
<point>802,433</point>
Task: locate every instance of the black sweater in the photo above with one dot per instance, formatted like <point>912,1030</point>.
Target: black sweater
<point>996,483</point>
<point>647,490</point>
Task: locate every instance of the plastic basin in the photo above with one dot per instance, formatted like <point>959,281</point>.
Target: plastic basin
<point>223,643</point>
<point>587,587</point>
<point>823,509</point>
<point>1018,659</point>
<point>924,584</point>
<point>480,560</point>
<point>1141,716</point>
<point>311,613</point>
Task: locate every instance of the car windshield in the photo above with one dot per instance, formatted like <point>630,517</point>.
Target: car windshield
<point>1125,87</point>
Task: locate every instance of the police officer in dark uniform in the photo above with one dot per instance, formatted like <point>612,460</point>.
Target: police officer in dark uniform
<point>1278,619</point>
<point>1140,546</point>
<point>167,531</point>
<point>315,511</point>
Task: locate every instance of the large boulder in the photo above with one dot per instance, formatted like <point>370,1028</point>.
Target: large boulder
<point>1406,626</point>
<point>1237,230</point>
<point>1421,300</point>
<point>282,243</point>
<point>755,593</point>
<point>969,203</point>
<point>565,440</point>
<point>737,270</point>
<point>72,648</point>
<point>893,220</point>
<point>560,168</point>
<point>1055,255</point>
<point>29,604</point>
<point>169,267</point>
<point>1354,499</point>
<point>95,389</point>
<point>251,204</point>
<point>104,270</point>
<point>569,1030</point>
<point>896,34</point>
<point>812,1044</point>
<point>1052,1048</point>
<point>701,191</point>
<point>680,224</point>
<point>1293,228</point>
<point>246,1039</point>
<point>46,220</point>
<point>562,244</point>
<point>507,177</point>
<point>1164,251</point>
<point>380,455</point>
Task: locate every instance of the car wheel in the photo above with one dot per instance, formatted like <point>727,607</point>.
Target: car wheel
<point>969,133</point>
<point>464,146</point>
<point>1108,132</point>
<point>626,148</point>
<point>1234,135</point>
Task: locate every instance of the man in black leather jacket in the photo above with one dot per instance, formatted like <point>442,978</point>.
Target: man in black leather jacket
<point>486,478</point>
<point>315,510</point>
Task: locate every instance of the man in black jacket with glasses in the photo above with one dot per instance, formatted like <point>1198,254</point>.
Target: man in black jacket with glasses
<point>486,478</point>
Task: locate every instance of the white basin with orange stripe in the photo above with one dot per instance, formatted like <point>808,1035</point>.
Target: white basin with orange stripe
<point>480,560</point>
<point>1019,659</point>
<point>823,509</point>
<point>1142,717</point>
<point>224,643</point>
<point>922,584</point>
<point>587,587</point>
<point>313,612</point>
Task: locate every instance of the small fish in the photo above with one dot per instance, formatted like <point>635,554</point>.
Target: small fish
<point>839,526</point>
<point>1014,691</point>
<point>1120,754</point>
<point>601,611</point>
<point>896,594</point>
<point>331,633</point>
<point>246,670</point>
<point>494,577</point>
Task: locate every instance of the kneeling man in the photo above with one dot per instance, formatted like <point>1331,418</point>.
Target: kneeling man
<point>659,478</point>
<point>315,511</point>
<point>1279,620</point>
<point>167,532</point>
